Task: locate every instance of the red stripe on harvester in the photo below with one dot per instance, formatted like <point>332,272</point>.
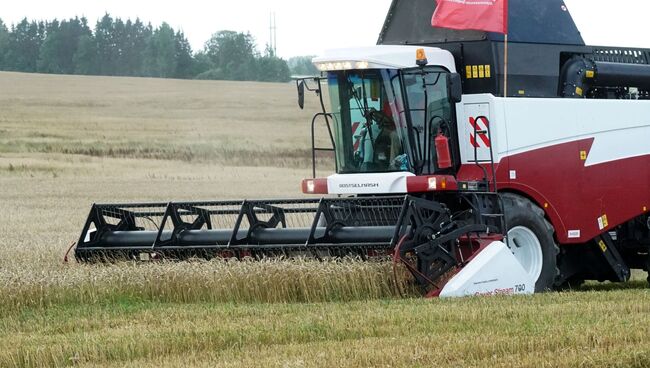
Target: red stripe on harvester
<point>472,141</point>
<point>483,136</point>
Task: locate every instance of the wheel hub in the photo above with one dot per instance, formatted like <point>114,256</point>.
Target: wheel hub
<point>526,247</point>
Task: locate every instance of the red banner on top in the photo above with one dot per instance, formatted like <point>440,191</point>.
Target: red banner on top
<point>483,15</point>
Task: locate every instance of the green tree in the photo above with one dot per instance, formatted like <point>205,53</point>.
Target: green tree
<point>233,54</point>
<point>133,44</point>
<point>24,44</point>
<point>48,59</point>
<point>161,53</point>
<point>85,58</point>
<point>4,43</point>
<point>57,51</point>
<point>106,47</point>
<point>201,63</point>
<point>119,42</point>
<point>272,69</point>
<point>302,65</point>
<point>117,47</point>
<point>184,60</point>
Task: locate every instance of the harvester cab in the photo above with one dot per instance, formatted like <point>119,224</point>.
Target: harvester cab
<point>393,116</point>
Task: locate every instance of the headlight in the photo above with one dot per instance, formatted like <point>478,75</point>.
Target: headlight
<point>341,65</point>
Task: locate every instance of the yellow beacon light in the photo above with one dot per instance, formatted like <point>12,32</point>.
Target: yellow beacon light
<point>421,57</point>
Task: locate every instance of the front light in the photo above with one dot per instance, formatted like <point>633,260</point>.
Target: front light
<point>362,65</point>
<point>433,183</point>
<point>311,187</point>
<point>341,65</point>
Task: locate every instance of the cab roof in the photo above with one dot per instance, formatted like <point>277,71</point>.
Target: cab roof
<point>382,57</point>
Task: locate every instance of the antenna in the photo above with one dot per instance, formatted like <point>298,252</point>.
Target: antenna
<point>273,42</point>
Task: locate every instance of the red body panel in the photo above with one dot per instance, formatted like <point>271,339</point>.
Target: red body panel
<point>420,184</point>
<point>575,196</point>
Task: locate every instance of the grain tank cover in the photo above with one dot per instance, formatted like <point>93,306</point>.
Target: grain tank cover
<point>541,33</point>
<point>530,21</point>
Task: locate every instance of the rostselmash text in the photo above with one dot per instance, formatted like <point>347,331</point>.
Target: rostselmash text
<point>357,185</point>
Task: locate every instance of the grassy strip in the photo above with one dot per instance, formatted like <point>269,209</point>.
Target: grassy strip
<point>188,152</point>
<point>590,329</point>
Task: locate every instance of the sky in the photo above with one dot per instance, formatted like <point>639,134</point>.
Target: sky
<point>307,27</point>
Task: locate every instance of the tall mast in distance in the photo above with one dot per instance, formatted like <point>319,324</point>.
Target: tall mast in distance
<point>273,34</point>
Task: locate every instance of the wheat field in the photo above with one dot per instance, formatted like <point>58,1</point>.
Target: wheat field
<point>66,142</point>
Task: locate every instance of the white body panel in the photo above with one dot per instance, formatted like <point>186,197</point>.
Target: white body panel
<point>386,57</point>
<point>379,183</point>
<point>473,110</point>
<point>620,128</point>
<point>494,271</point>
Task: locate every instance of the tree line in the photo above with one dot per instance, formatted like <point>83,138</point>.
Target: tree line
<point>132,48</point>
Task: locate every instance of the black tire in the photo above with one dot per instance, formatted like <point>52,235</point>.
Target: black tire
<point>520,211</point>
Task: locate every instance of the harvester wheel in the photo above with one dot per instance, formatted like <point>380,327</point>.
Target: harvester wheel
<point>530,238</point>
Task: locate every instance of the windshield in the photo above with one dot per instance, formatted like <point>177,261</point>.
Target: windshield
<point>386,120</point>
<point>370,129</point>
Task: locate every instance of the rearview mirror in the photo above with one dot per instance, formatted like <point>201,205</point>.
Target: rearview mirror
<point>301,93</point>
<point>455,87</point>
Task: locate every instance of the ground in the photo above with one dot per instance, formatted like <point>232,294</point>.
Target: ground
<point>66,142</point>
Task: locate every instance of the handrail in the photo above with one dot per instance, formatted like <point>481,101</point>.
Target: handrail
<point>313,140</point>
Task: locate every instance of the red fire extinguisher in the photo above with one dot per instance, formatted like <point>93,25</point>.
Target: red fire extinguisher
<point>442,151</point>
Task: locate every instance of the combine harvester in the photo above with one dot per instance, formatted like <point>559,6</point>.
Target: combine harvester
<point>472,191</point>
